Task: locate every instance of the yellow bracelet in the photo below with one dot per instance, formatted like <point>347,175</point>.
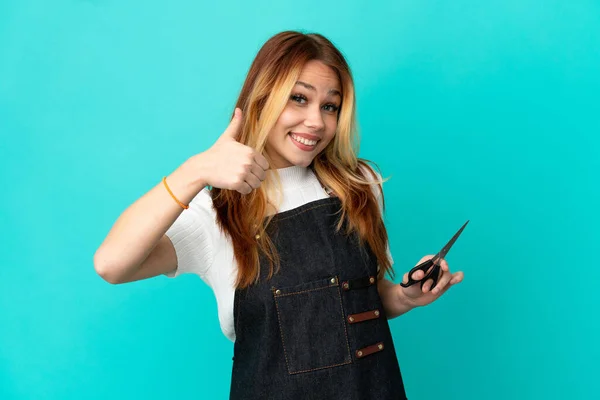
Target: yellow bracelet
<point>172,195</point>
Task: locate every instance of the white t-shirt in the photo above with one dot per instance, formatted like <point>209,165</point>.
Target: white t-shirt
<point>202,249</point>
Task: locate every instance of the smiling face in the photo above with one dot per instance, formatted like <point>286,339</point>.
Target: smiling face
<point>309,121</point>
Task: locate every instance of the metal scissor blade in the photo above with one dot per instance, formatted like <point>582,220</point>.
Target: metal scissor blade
<point>447,247</point>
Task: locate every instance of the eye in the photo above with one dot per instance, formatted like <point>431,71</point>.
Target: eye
<point>332,107</point>
<point>298,98</point>
<point>301,99</point>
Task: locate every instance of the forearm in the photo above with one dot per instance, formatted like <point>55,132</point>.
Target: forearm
<point>394,302</point>
<point>139,228</point>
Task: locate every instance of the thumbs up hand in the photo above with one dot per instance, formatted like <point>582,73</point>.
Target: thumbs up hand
<point>231,165</point>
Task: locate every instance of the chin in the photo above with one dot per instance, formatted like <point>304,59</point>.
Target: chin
<point>303,163</point>
<point>299,160</point>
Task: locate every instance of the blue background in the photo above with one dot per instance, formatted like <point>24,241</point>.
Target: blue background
<point>480,111</point>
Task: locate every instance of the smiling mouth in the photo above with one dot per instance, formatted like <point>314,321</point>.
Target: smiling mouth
<point>303,141</point>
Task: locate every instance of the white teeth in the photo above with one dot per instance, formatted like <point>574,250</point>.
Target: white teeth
<point>303,141</point>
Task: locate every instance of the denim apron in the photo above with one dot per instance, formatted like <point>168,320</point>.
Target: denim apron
<point>317,328</point>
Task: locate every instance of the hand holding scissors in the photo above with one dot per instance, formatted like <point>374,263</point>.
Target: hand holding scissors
<point>432,268</point>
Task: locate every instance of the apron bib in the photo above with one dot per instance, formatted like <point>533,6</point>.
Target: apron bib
<point>317,329</point>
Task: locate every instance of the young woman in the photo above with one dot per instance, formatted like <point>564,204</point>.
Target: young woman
<point>284,222</point>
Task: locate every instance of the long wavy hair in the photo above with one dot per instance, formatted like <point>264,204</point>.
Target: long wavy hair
<point>263,97</point>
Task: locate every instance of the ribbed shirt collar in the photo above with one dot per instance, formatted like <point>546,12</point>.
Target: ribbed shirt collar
<point>295,177</point>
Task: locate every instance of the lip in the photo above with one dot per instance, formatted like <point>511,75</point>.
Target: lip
<point>301,146</point>
<point>306,136</point>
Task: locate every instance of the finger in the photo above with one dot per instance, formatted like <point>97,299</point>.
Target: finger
<point>457,277</point>
<point>442,283</point>
<point>418,274</point>
<point>252,180</point>
<point>427,285</point>
<point>261,161</point>
<point>257,171</point>
<point>233,129</point>
<point>244,188</point>
<point>444,264</point>
<point>415,276</point>
<point>240,185</point>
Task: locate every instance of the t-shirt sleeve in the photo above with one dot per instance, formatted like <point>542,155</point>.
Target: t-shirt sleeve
<point>193,235</point>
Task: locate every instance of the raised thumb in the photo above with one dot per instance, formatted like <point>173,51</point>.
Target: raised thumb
<point>233,130</point>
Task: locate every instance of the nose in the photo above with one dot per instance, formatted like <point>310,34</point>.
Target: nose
<point>314,119</point>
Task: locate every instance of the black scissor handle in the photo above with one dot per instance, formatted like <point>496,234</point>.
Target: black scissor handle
<point>424,266</point>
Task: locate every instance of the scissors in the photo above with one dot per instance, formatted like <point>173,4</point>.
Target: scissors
<point>434,274</point>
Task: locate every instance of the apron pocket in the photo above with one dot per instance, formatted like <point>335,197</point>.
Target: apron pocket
<point>312,325</point>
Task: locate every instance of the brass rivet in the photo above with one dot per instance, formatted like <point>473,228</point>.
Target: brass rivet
<point>345,285</point>
<point>332,280</point>
<point>376,313</point>
<point>360,353</point>
<point>380,346</point>
<point>257,237</point>
<point>278,291</point>
<point>350,319</point>
<point>372,280</point>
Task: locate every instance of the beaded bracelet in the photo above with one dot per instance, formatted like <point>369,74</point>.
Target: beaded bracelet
<point>172,195</point>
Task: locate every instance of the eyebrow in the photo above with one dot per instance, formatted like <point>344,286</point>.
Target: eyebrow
<point>334,92</point>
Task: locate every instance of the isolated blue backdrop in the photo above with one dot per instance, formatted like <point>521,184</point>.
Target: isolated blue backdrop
<point>486,111</point>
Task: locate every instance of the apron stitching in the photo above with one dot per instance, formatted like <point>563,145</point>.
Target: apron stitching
<point>305,291</point>
<point>344,319</point>
<point>282,340</point>
<point>316,369</point>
